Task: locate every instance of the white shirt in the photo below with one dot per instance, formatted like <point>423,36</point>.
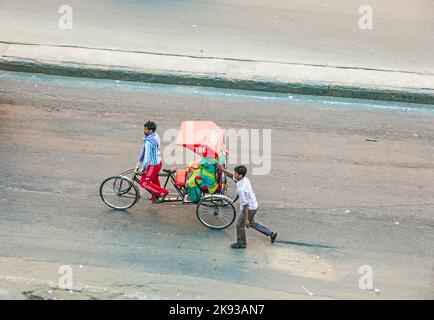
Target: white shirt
<point>246,194</point>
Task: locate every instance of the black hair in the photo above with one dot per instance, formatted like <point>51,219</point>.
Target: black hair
<point>151,125</point>
<point>242,170</point>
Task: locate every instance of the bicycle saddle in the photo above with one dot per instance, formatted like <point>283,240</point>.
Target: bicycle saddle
<point>169,171</point>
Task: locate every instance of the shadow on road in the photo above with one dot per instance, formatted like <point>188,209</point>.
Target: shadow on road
<point>304,244</point>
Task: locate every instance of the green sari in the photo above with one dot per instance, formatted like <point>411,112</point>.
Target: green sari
<point>208,178</point>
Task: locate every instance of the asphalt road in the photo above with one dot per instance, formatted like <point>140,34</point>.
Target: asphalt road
<point>338,201</point>
<point>320,32</point>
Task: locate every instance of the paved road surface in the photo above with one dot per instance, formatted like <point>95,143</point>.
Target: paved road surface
<point>337,201</point>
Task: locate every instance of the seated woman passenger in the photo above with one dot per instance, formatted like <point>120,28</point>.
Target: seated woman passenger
<point>203,175</point>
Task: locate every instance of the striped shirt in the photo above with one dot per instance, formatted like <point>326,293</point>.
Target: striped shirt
<point>150,152</point>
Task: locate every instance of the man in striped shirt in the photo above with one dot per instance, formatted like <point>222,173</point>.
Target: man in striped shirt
<point>150,163</point>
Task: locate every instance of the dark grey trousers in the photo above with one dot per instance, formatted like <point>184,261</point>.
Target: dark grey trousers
<point>241,229</point>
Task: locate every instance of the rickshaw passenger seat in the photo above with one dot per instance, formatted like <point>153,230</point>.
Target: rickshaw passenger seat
<point>181,177</point>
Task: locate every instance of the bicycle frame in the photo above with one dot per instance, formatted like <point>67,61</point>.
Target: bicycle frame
<point>215,211</point>
<point>169,177</point>
<point>179,190</point>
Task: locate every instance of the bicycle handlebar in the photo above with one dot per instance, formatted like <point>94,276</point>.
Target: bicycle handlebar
<point>131,171</point>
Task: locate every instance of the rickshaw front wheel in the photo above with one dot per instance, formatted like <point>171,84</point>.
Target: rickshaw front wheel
<point>215,211</point>
<point>119,192</point>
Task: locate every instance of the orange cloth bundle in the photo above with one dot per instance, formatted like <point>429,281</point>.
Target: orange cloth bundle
<point>193,165</point>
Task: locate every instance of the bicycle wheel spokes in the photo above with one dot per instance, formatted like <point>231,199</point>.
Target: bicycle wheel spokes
<point>122,186</point>
<point>215,212</point>
<point>119,193</point>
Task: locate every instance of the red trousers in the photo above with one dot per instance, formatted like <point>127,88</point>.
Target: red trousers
<point>151,182</point>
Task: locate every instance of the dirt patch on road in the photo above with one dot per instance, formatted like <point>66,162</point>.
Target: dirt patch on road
<point>298,263</point>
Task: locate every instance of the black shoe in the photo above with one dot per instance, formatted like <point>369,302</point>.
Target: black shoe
<point>237,245</point>
<point>273,237</point>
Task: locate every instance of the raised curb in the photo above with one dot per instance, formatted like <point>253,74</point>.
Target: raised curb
<point>220,73</point>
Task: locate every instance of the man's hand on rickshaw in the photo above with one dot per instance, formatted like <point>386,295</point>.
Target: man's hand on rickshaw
<point>225,171</point>
<point>137,169</point>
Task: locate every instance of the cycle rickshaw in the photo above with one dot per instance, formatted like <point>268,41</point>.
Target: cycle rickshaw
<point>214,210</point>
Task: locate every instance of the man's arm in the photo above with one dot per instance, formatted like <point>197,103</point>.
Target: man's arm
<point>141,156</point>
<point>245,208</point>
<point>147,155</point>
<point>228,173</point>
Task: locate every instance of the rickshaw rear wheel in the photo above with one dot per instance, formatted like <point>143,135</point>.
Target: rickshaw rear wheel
<point>216,211</point>
<point>119,192</point>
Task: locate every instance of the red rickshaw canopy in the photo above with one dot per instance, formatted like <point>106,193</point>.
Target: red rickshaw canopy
<point>204,138</point>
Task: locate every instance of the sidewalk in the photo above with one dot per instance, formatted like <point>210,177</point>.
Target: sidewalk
<point>218,72</point>
<point>305,47</point>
